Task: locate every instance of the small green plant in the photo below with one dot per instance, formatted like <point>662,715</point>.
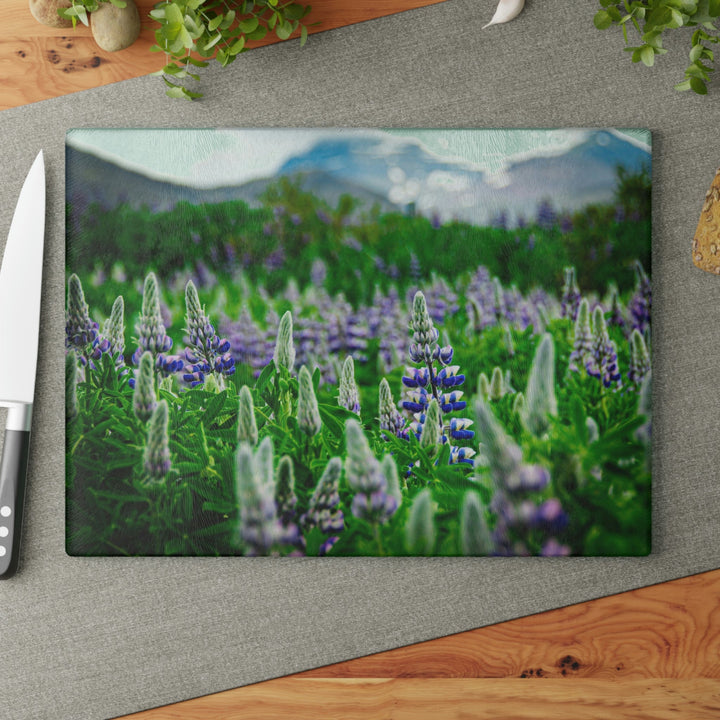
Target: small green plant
<point>651,18</point>
<point>79,9</point>
<point>194,32</point>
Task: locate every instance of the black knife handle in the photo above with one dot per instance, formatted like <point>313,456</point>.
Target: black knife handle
<point>13,469</point>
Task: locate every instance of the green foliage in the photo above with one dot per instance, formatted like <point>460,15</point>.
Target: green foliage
<point>601,246</point>
<point>194,32</point>
<point>170,485</point>
<point>79,9</point>
<point>652,18</point>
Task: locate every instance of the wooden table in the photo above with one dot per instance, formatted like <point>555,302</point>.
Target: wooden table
<point>648,654</point>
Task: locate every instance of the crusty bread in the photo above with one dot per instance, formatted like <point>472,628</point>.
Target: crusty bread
<point>706,243</point>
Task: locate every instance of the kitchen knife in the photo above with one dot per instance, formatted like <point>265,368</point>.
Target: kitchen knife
<point>20,281</point>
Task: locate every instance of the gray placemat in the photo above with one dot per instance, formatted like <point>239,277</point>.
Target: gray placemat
<point>94,638</point>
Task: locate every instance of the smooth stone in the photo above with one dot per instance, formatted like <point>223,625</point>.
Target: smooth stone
<point>115,28</point>
<point>45,12</point>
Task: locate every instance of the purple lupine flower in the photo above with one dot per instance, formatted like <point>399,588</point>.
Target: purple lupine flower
<point>248,344</point>
<point>151,331</point>
<point>318,272</point>
<point>639,359</point>
<point>617,316</point>
<point>260,529</point>
<point>157,448</point>
<point>144,397</point>
<point>420,527</point>
<point>372,501</point>
<point>641,302</point>
<point>206,352</point>
<point>552,548</point>
<point>353,243</point>
<point>348,396</point>
<point>114,331</point>
<point>520,516</point>
<point>285,498</point>
<point>441,300</point>
<point>546,217</point>
<point>583,341</point>
<point>275,260</point>
<point>566,224</point>
<point>415,268</point>
<point>390,418</point>
<point>327,546</point>
<point>570,301</point>
<point>323,217</point>
<point>620,214</point>
<point>602,362</point>
<point>80,330</point>
<point>324,509</point>
<point>500,220</point>
<point>435,379</point>
<point>347,331</point>
<point>644,432</point>
<point>204,276</point>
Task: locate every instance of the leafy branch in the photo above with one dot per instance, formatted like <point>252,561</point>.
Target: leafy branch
<point>79,10</point>
<point>651,18</point>
<point>193,32</point>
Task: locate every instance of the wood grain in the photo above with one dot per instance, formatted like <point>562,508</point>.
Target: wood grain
<point>663,631</point>
<point>414,699</point>
<point>651,653</point>
<point>39,62</point>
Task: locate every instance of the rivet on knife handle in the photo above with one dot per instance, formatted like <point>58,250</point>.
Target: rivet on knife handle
<point>13,469</point>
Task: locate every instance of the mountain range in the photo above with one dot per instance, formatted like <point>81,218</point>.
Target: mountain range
<point>397,175</point>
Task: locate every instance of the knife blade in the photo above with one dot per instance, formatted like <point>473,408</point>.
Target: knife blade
<point>20,284</point>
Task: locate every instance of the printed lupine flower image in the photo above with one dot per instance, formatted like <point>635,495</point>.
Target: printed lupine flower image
<point>329,362</point>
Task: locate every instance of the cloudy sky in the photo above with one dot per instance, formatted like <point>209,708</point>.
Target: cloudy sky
<point>211,157</point>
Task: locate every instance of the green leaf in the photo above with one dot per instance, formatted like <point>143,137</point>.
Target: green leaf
<point>676,19</point>
<point>294,11</point>
<point>228,21</point>
<point>698,86</point>
<point>213,42</point>
<point>258,34</point>
<point>214,23</point>
<point>303,35</point>
<point>284,30</point>
<point>173,14</point>
<point>602,20</point>
<point>249,25</point>
<point>647,55</point>
<point>237,47</point>
<point>197,63</point>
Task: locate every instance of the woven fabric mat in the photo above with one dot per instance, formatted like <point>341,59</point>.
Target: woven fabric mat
<point>94,638</point>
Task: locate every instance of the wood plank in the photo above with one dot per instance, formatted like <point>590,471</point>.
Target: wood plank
<point>647,653</point>
<point>446,699</point>
<point>670,630</point>
<point>39,62</point>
